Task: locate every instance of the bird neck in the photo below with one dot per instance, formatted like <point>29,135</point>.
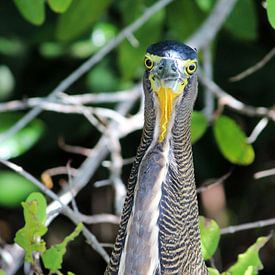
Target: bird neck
<point>159,230</point>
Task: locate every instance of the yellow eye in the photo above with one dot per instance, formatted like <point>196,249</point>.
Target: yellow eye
<point>148,63</point>
<point>191,68</point>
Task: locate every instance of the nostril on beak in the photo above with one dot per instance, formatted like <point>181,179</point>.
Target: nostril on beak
<point>173,67</point>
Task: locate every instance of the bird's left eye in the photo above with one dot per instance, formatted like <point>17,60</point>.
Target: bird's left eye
<point>191,68</point>
<point>148,63</point>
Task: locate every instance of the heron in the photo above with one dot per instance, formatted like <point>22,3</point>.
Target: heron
<point>159,229</point>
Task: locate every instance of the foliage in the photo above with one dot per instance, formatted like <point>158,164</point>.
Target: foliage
<point>30,236</point>
<point>32,10</point>
<point>248,263</point>
<point>232,141</point>
<point>210,236</point>
<point>41,42</point>
<point>271,12</point>
<point>78,18</point>
<point>59,6</point>
<point>53,257</point>
<point>198,126</point>
<point>14,189</point>
<point>23,140</point>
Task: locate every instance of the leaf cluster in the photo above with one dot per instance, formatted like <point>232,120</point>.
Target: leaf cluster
<point>30,236</point>
<point>248,262</point>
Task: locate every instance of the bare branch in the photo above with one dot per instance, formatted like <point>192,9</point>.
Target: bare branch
<point>247,226</point>
<point>255,67</point>
<point>73,149</point>
<point>63,207</point>
<point>208,96</point>
<point>264,173</point>
<point>99,218</point>
<point>230,101</point>
<point>212,24</point>
<point>257,130</point>
<point>213,182</point>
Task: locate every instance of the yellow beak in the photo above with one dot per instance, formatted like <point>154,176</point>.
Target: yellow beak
<point>166,98</point>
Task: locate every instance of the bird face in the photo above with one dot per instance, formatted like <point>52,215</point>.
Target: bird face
<point>170,67</point>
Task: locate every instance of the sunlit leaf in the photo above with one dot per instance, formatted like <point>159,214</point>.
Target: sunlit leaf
<point>53,257</point>
<point>80,16</point>
<point>32,10</point>
<point>29,237</point>
<point>2,272</point>
<point>23,140</point>
<point>14,189</point>
<point>270,7</point>
<point>205,5</point>
<point>59,6</point>
<point>198,126</point>
<point>6,81</point>
<point>232,141</point>
<point>213,271</point>
<point>210,236</point>
<point>243,27</point>
<point>249,262</point>
<point>130,57</point>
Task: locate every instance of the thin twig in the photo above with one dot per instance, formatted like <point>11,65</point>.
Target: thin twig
<point>86,66</point>
<point>247,226</point>
<point>264,173</point>
<point>73,149</point>
<point>99,218</point>
<point>213,182</point>
<point>255,67</point>
<point>257,130</point>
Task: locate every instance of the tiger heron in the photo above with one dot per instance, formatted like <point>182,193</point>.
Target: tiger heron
<point>159,232</point>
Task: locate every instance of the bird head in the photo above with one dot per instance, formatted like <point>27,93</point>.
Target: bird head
<point>170,75</point>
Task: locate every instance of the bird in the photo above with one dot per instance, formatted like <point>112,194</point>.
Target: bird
<point>159,228</point>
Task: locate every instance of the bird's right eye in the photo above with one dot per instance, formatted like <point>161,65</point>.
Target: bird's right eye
<point>148,63</point>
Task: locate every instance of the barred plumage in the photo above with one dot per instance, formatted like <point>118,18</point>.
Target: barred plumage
<point>159,231</point>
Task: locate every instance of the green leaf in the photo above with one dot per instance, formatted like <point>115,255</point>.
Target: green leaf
<point>23,140</point>
<point>131,58</point>
<point>52,258</point>
<point>59,6</point>
<point>205,5</point>
<point>210,236</point>
<point>29,237</point>
<point>270,8</point>
<point>243,27</point>
<point>14,189</point>
<point>213,271</point>
<point>249,263</point>
<point>198,126</point>
<point>232,141</point>
<point>32,10</point>
<point>6,82</point>
<point>2,272</point>
<point>183,18</point>
<point>79,18</point>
